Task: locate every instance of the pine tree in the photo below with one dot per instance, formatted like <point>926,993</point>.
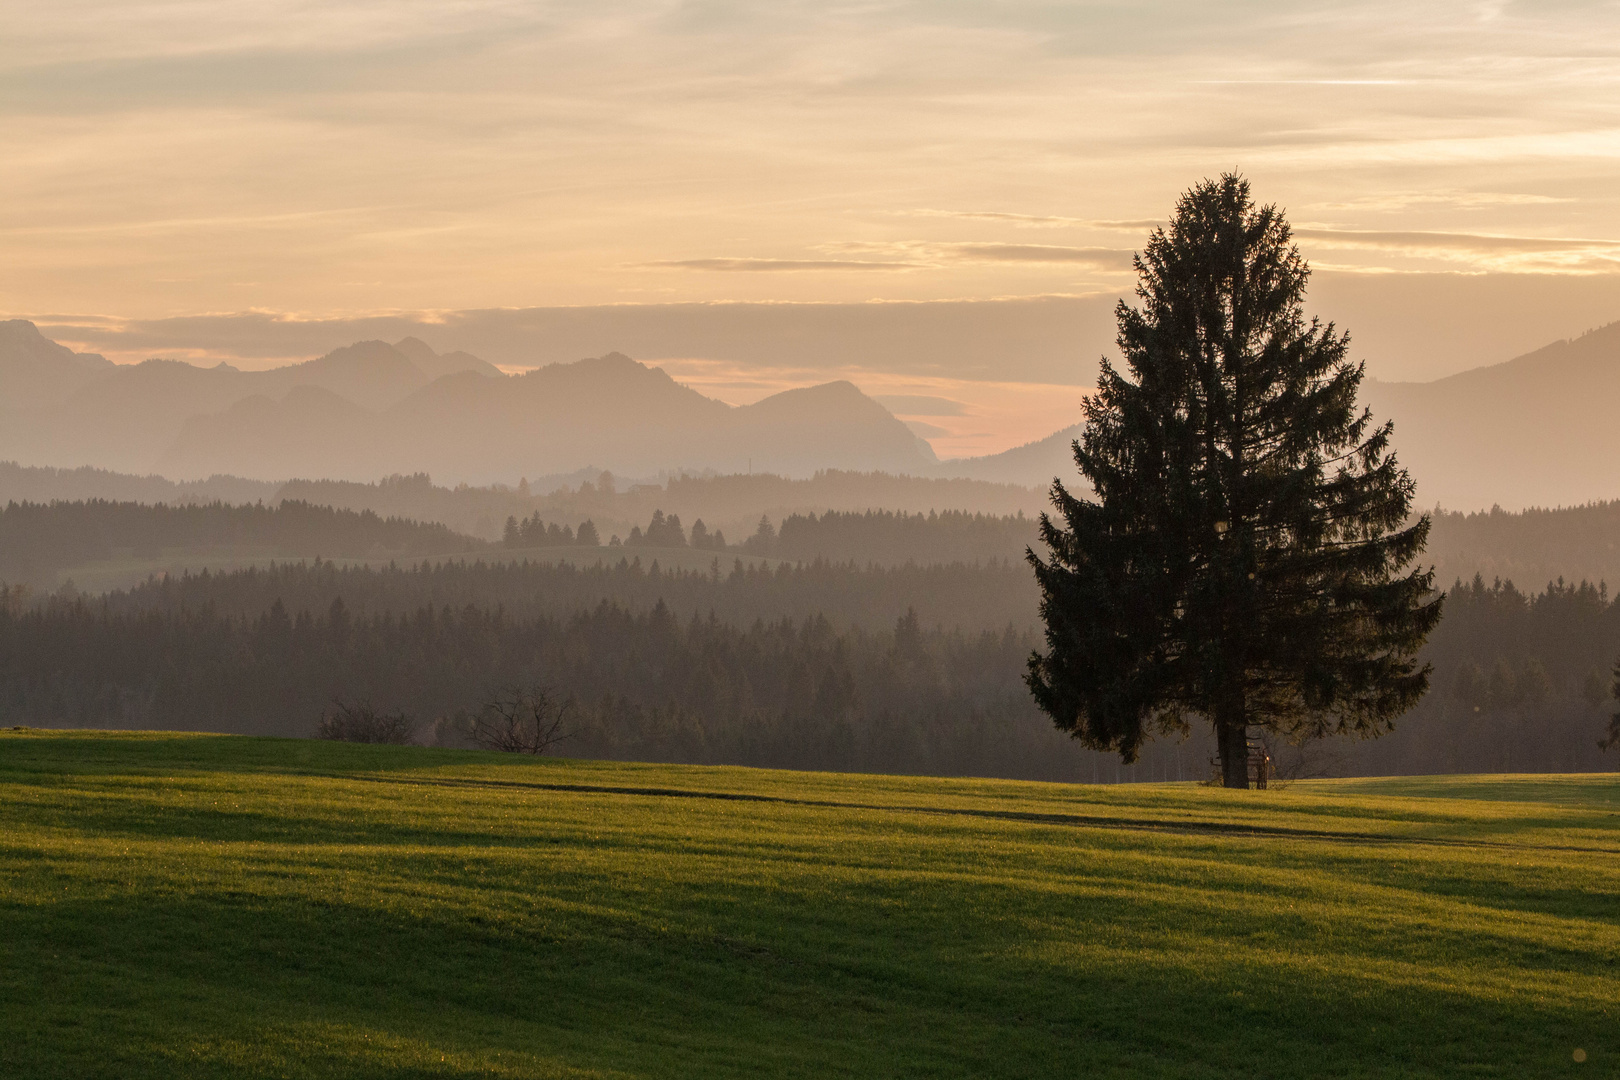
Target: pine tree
<point>1244,558</point>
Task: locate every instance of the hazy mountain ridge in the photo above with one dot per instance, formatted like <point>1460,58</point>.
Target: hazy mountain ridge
<point>371,409</point>
<point>1035,464</point>
<point>35,369</point>
<point>1538,430</point>
<point>37,541</point>
<point>43,484</point>
<point>132,417</point>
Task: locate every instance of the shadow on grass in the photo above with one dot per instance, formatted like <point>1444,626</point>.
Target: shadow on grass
<point>261,986</point>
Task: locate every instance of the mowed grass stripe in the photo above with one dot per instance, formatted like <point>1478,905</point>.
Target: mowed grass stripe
<point>225,906</point>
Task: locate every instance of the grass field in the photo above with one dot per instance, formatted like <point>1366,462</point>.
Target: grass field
<point>182,905</point>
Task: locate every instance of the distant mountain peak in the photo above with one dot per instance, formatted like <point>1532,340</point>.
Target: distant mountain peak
<point>436,365</point>
<point>612,361</point>
<point>613,365</point>
<point>23,346</point>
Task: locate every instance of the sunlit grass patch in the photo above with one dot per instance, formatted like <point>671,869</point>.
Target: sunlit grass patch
<point>212,906</point>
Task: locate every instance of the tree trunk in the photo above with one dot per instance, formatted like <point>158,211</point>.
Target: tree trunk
<point>1233,740</point>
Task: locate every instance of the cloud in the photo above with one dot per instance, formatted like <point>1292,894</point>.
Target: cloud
<point>921,405</point>
<point>1475,252</point>
<point>383,154</point>
<point>1035,339</point>
<point>1484,243</point>
<point>913,255</point>
<point>945,253</point>
<point>1464,200</point>
<point>926,430</point>
<point>746,265</point>
<point>1039,221</point>
<point>1096,257</point>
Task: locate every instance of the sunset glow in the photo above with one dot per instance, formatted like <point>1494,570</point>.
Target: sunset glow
<point>340,161</point>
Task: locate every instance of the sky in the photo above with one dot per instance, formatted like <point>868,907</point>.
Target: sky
<point>252,181</point>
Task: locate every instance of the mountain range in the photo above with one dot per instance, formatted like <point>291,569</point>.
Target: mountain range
<point>1538,430</point>
<point>374,408</point>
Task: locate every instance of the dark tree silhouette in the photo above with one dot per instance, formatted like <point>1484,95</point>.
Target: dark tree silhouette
<point>519,721</point>
<point>359,721</point>
<point>1245,558</point>
<point>1613,737</point>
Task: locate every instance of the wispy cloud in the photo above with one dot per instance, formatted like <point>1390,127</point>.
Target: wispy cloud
<point>374,155</point>
<point>1471,252</point>
<point>1484,243</point>
<point>1462,200</point>
<point>1304,82</point>
<point>972,252</point>
<point>747,265</point>
<point>914,255</point>
<point>1040,221</point>
<point>921,405</point>
<point>1094,257</point>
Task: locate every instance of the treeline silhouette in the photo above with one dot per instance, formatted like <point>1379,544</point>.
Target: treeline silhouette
<point>796,666</point>
<point>533,532</point>
<point>890,537</point>
<point>37,540</point>
<point>43,484</point>
<point>732,503</point>
<point>885,537</point>
<point>648,686</point>
<point>989,521</point>
<point>1521,684</point>
<point>738,592</point>
<point>661,532</point>
<point>1531,546</point>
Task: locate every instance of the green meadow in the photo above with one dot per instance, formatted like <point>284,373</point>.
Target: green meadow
<point>196,906</point>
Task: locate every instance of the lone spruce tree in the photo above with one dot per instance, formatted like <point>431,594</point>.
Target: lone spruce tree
<point>1245,557</point>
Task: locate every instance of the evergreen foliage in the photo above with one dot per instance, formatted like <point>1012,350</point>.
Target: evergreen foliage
<point>1521,679</point>
<point>985,597</point>
<point>532,532</point>
<point>892,538</point>
<point>37,540</point>
<point>648,686</point>
<point>1244,557</point>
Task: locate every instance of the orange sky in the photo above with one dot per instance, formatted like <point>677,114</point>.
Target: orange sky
<point>338,160</point>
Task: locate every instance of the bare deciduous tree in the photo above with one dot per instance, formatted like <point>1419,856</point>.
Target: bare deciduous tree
<point>519,721</point>
<point>359,722</point>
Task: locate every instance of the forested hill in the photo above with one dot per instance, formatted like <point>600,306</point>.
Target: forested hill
<point>887,538</point>
<point>1520,680</point>
<point>732,503</point>
<point>43,484</point>
<point>974,598</point>
<point>37,540</point>
<point>1530,547</point>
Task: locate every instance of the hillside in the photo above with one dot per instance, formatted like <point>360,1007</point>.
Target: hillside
<point>43,484</point>
<point>1034,464</point>
<point>1538,430</point>
<point>38,541</point>
<point>248,908</point>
